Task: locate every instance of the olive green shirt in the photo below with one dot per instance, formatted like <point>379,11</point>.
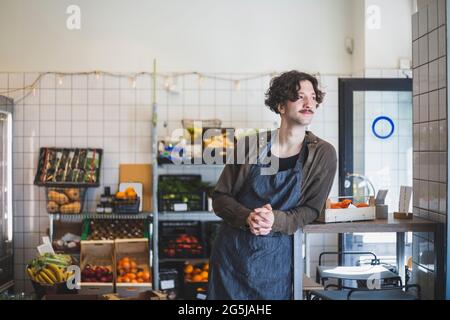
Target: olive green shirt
<point>319,171</point>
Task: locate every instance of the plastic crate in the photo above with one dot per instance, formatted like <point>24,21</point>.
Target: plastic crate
<point>181,239</point>
<point>195,290</point>
<point>181,193</point>
<point>169,283</point>
<point>127,206</point>
<point>65,200</point>
<point>69,168</point>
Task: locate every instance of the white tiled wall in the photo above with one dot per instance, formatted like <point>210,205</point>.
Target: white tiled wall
<point>107,112</point>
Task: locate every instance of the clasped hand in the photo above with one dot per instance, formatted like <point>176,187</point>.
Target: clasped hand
<point>260,220</point>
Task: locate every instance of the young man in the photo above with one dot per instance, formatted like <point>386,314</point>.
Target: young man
<point>252,256</point>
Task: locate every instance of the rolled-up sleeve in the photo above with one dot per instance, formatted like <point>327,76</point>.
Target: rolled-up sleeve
<point>225,204</point>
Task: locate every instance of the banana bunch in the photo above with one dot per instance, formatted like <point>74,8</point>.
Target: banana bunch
<point>49,269</point>
<point>49,274</point>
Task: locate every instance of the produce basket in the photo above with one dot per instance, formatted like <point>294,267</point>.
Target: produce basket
<point>181,239</point>
<point>65,200</point>
<point>127,206</point>
<point>182,193</point>
<point>48,274</point>
<point>107,229</point>
<point>42,290</point>
<point>97,267</point>
<point>133,273</point>
<point>195,281</point>
<point>63,167</point>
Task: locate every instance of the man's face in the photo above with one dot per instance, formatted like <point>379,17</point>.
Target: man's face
<point>302,110</point>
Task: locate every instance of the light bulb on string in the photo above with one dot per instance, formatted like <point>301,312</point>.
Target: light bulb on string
<point>97,75</point>
<point>34,91</point>
<point>60,80</point>
<point>133,82</point>
<point>237,85</point>
<point>168,83</point>
<point>200,81</point>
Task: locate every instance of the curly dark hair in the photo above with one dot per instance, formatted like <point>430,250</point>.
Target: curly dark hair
<point>286,86</point>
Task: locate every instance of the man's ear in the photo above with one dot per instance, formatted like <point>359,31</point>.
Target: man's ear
<point>281,109</point>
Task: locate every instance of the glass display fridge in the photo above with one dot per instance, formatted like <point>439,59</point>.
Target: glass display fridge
<point>6,187</point>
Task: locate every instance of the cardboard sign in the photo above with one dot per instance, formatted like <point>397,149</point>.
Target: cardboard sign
<point>405,199</point>
<point>139,173</point>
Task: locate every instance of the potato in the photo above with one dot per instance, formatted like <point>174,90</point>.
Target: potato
<point>74,207</point>
<point>52,207</point>
<point>59,198</point>
<point>73,194</point>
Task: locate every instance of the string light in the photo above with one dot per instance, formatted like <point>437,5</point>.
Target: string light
<point>237,85</point>
<point>133,82</point>
<point>170,82</point>
<point>200,81</point>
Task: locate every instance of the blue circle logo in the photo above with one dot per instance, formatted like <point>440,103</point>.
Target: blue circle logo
<point>389,121</point>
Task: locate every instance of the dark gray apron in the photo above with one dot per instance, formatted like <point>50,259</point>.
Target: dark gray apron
<point>248,267</point>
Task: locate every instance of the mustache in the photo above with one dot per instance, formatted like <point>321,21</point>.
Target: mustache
<point>307,110</point>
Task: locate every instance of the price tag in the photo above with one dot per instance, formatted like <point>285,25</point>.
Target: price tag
<point>180,207</point>
<point>167,284</point>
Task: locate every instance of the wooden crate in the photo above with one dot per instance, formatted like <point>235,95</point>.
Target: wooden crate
<point>349,214</point>
<point>138,251</point>
<point>97,253</point>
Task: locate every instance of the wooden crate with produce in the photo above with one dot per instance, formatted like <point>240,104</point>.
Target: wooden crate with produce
<point>132,266</point>
<point>349,209</point>
<point>97,267</point>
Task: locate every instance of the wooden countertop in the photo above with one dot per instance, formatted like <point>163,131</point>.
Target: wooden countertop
<point>415,224</point>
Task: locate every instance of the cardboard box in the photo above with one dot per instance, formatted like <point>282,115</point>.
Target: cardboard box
<point>138,251</point>
<point>141,173</point>
<point>97,253</point>
<point>331,215</point>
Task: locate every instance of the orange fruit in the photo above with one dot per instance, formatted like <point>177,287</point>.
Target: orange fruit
<point>206,266</point>
<point>361,205</point>
<point>188,268</point>
<point>134,281</point>
<point>140,274</point>
<point>139,280</point>
<point>133,264</point>
<point>131,276</point>
<point>126,279</point>
<point>121,195</point>
<point>204,275</point>
<point>119,279</point>
<point>197,270</point>
<point>197,278</point>
<point>134,271</point>
<point>130,193</point>
<point>126,266</point>
<point>146,276</point>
